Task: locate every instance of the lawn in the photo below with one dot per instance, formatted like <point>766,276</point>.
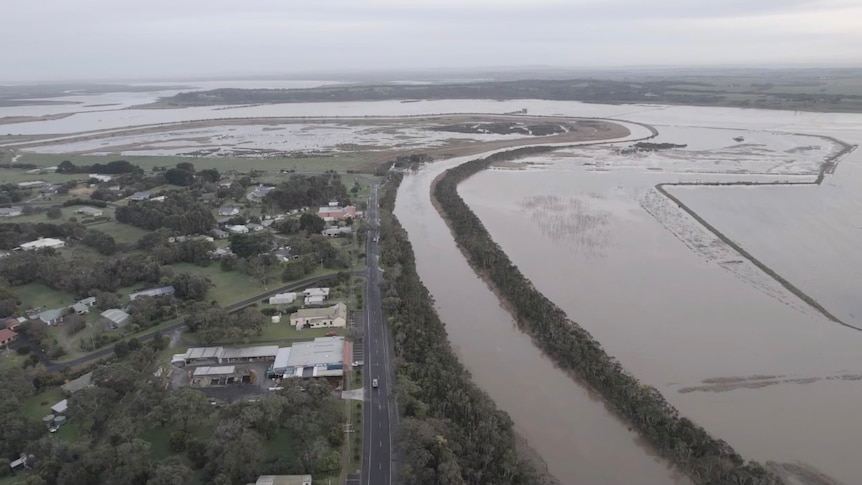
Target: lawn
<point>122,233</point>
<point>35,295</point>
<point>39,406</point>
<point>229,286</point>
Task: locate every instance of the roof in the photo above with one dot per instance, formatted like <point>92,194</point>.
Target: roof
<point>61,406</point>
<point>220,370</point>
<point>91,300</point>
<point>80,308</point>
<point>88,210</point>
<point>76,385</point>
<point>334,311</point>
<point>204,353</point>
<point>49,315</point>
<point>6,334</point>
<point>250,352</point>
<point>43,242</point>
<point>281,358</point>
<point>322,350</point>
<point>283,480</point>
<point>316,291</point>
<point>164,290</point>
<point>115,315</point>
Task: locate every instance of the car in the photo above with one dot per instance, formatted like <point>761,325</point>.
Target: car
<point>331,334</point>
<point>374,383</point>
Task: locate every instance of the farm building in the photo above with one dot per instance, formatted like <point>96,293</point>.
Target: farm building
<point>89,211</point>
<point>116,318</point>
<point>282,298</point>
<point>163,291</point>
<point>322,357</point>
<point>283,480</point>
<point>6,337</point>
<point>223,375</point>
<point>333,316</point>
<point>43,242</point>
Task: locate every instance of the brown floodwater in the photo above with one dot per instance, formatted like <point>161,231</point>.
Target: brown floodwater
<point>573,431</point>
<point>748,362</point>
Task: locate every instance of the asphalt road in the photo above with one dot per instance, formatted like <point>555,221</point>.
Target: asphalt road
<point>381,413</point>
<point>102,353</point>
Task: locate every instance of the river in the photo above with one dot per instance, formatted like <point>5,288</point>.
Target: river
<point>579,439</point>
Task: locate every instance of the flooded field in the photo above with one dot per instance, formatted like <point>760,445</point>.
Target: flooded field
<point>726,344</point>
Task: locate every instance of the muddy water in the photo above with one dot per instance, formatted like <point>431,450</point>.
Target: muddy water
<point>581,442</point>
<point>777,382</point>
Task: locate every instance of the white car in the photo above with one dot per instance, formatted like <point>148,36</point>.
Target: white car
<point>374,383</point>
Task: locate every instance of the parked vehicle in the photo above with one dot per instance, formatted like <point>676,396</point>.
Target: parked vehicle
<point>331,334</point>
<point>374,383</point>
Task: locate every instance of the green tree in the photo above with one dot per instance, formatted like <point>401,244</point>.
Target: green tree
<point>54,213</point>
<point>311,223</point>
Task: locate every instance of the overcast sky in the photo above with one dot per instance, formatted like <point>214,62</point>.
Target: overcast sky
<point>128,39</point>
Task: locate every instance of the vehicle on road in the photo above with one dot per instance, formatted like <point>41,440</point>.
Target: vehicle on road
<point>331,334</point>
<point>374,383</point>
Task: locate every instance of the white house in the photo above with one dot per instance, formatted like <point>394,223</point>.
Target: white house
<point>334,316</point>
<point>43,242</point>
<point>228,210</point>
<point>101,178</point>
<point>282,299</point>
<point>89,211</point>
<point>237,229</point>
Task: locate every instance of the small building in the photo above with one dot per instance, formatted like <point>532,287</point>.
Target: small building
<point>336,231</point>
<point>223,375</point>
<point>316,292</point>
<point>261,191</point>
<point>314,300</point>
<point>100,177</point>
<point>49,189</point>
<point>14,211</point>
<point>52,317</point>
<point>7,337</point>
<point>283,480</point>
<point>276,318</point>
<point>282,299</point>
<point>333,316</point>
<point>219,234</point>
<point>203,355</point>
<point>116,318</point>
<point>35,184</point>
<point>140,196</point>
<point>89,211</point>
<point>154,292</point>
<point>219,253</point>
<point>322,357</point>
<point>76,385</point>
<point>237,229</point>
<point>228,210</point>
<point>160,198</point>
<point>61,407</point>
<point>81,309</point>
<point>43,242</point>
<point>254,227</point>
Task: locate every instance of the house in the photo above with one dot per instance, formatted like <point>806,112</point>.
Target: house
<point>219,253</point>
<point>52,317</point>
<point>282,254</point>
<point>219,234</point>
<point>333,212</point>
<point>314,300</point>
<point>322,357</point>
<point>101,178</point>
<point>333,316</point>
<point>116,318</point>
<point>10,324</point>
<point>315,296</point>
<point>237,229</point>
<point>261,190</point>
<point>89,211</point>
<point>7,337</point>
<point>76,385</point>
<point>41,243</point>
<point>282,299</point>
<point>283,480</point>
<point>81,309</point>
<point>228,210</point>
<point>139,196</point>
<point>223,375</point>
<point>163,291</point>
<point>335,231</point>
<point>61,407</point>
<point>13,211</point>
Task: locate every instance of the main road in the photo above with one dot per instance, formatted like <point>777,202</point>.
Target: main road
<point>381,413</point>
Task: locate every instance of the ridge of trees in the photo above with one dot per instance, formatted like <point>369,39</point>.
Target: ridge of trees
<point>451,432</point>
<point>116,167</point>
<point>705,459</point>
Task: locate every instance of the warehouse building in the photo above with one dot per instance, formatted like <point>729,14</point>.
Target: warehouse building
<point>222,355</point>
<point>322,357</point>
<point>224,375</point>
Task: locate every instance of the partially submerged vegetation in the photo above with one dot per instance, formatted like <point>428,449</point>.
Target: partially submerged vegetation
<point>704,458</point>
<point>451,432</point>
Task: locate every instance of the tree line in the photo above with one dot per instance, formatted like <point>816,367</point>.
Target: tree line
<point>116,167</point>
<point>451,431</point>
<point>308,191</point>
<point>180,212</point>
<point>705,459</point>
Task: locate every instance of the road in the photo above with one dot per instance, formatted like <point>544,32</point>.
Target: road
<point>380,411</point>
<point>102,353</point>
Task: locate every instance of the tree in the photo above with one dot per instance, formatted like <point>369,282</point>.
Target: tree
<point>249,321</point>
<point>257,271</point>
<point>190,286</point>
<point>171,471</point>
<point>252,244</point>
<point>176,176</point>
<point>101,242</point>
<point>183,409</point>
<point>311,223</point>
<point>54,213</point>
<point>210,175</point>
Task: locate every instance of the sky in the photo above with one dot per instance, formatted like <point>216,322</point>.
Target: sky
<point>57,40</point>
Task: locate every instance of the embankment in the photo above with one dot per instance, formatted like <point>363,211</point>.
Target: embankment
<point>449,426</point>
<point>704,458</point>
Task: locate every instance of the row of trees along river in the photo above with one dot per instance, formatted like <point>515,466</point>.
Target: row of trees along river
<point>705,459</point>
<point>451,432</point>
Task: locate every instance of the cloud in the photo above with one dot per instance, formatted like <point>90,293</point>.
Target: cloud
<point>58,39</point>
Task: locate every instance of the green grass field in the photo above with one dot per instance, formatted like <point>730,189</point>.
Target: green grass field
<point>122,233</point>
<point>39,406</point>
<point>35,295</point>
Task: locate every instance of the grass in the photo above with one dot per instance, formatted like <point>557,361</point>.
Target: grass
<point>35,295</point>
<point>39,406</point>
<point>340,162</point>
<point>229,286</point>
<point>122,233</point>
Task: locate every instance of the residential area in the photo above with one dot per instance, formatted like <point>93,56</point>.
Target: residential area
<point>211,307</point>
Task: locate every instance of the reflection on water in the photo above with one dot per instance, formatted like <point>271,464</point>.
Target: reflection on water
<point>571,221</point>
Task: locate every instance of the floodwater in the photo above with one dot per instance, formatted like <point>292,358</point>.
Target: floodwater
<point>727,346</point>
<point>579,439</point>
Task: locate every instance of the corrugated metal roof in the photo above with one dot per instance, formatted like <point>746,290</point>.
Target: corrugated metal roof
<point>250,352</point>
<point>204,353</point>
<point>221,370</point>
